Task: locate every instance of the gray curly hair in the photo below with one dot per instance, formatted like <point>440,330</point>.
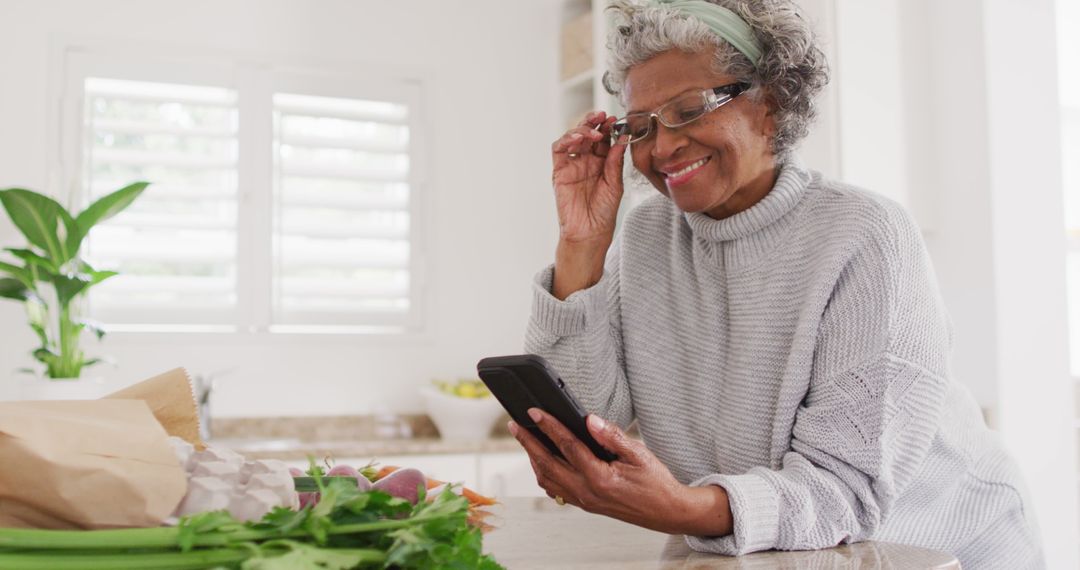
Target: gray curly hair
<point>792,69</point>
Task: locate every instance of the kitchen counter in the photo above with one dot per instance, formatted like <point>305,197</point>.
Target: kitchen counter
<point>537,533</point>
<point>295,449</point>
<point>295,438</point>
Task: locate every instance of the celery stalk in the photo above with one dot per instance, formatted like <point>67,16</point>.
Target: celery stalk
<point>165,537</point>
<point>165,560</point>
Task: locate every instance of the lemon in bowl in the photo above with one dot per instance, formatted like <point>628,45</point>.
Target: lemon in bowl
<point>461,410</point>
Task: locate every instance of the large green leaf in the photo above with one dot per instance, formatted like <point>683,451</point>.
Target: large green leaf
<point>32,258</point>
<point>36,217</point>
<point>95,275</point>
<point>45,356</point>
<point>13,289</point>
<point>39,330</point>
<point>20,274</point>
<point>68,287</point>
<point>106,207</point>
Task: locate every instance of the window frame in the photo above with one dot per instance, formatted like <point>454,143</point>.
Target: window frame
<point>1071,115</point>
<point>256,79</point>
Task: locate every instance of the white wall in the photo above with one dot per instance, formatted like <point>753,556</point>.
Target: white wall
<point>1024,147</point>
<point>958,102</point>
<point>490,218</point>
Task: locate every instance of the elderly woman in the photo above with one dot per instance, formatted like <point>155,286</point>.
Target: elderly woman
<point>777,336</point>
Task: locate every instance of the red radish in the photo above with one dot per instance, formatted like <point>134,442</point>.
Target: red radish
<point>341,470</point>
<point>308,499</point>
<point>296,472</point>
<point>403,483</point>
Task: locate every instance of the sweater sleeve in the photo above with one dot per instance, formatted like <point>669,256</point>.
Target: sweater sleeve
<point>581,337</point>
<point>876,391</point>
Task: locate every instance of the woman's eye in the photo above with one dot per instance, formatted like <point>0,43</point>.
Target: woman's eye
<point>689,113</point>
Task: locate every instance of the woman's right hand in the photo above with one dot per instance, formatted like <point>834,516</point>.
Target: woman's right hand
<point>587,177</point>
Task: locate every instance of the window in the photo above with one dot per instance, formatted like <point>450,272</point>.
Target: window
<point>280,201</point>
<point>342,216</point>
<point>175,247</point>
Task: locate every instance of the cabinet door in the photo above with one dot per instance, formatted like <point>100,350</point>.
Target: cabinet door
<point>508,475</point>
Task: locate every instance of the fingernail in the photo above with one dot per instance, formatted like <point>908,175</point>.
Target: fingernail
<point>596,422</point>
<point>575,136</point>
<point>510,425</point>
<point>535,415</point>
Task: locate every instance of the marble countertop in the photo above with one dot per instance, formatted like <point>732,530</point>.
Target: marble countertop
<point>287,449</point>
<point>295,438</point>
<point>537,533</point>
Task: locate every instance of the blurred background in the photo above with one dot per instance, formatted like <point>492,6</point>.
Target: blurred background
<point>351,198</point>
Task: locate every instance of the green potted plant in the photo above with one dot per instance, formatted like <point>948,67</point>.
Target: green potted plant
<point>50,278</point>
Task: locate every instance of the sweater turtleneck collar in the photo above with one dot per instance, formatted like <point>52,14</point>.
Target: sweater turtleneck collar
<point>785,194</point>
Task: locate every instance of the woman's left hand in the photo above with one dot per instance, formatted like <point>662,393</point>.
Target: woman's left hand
<point>636,488</point>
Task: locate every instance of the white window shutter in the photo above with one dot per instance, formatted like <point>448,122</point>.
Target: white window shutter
<point>175,247</point>
<point>342,212</point>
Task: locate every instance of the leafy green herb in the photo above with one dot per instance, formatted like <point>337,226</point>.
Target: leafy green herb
<point>348,528</point>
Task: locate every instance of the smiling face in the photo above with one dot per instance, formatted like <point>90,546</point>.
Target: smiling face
<point>720,164</point>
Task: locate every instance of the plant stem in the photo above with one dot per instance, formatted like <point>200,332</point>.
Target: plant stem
<point>69,346</point>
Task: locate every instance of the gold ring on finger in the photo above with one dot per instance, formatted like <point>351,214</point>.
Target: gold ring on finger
<point>559,500</point>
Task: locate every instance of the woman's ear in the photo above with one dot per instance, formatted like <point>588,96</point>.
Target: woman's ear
<point>767,117</point>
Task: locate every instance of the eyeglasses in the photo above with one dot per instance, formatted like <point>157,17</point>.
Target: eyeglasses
<point>637,127</point>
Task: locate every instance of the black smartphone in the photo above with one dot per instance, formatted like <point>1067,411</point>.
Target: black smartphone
<point>524,381</point>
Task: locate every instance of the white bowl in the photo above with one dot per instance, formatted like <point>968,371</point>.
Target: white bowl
<point>461,418</point>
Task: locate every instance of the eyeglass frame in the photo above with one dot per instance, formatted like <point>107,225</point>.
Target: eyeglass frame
<point>712,103</point>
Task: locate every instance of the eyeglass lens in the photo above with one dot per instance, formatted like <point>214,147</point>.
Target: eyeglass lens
<point>684,110</point>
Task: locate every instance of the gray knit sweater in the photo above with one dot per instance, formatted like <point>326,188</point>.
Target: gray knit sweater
<point>797,355</point>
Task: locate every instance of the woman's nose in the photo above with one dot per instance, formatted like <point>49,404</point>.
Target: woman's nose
<point>667,141</point>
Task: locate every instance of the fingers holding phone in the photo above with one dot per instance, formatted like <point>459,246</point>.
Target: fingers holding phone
<point>524,381</point>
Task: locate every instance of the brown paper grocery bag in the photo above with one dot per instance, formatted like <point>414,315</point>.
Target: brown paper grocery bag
<point>85,464</point>
<point>172,401</point>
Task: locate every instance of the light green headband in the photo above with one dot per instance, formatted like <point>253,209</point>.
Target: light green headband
<point>723,22</point>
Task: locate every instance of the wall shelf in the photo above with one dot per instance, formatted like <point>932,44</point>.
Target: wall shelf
<point>582,80</point>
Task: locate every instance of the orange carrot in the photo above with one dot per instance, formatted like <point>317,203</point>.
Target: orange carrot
<point>386,470</point>
<point>476,498</point>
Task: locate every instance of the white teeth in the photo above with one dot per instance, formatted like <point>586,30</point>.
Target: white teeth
<point>686,170</point>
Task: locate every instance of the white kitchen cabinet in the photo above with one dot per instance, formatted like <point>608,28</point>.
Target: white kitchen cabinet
<point>508,475</point>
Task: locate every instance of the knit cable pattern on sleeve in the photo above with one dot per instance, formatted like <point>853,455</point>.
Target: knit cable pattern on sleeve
<point>797,355</point>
